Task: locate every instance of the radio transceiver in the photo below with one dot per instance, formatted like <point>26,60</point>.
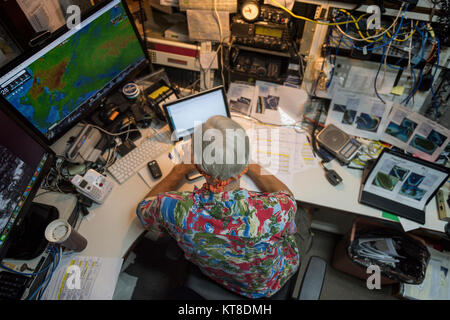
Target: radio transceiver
<point>262,27</point>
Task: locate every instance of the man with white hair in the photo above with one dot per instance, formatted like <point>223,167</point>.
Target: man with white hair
<point>241,239</point>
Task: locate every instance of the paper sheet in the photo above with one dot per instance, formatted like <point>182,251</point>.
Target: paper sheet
<point>241,97</point>
<point>203,25</point>
<point>221,5</point>
<point>285,3</point>
<point>276,104</point>
<point>359,115</point>
<point>416,134</point>
<point>208,60</point>
<point>43,15</point>
<point>98,279</point>
<point>359,79</point>
<point>436,285</point>
<point>408,225</point>
<point>281,151</point>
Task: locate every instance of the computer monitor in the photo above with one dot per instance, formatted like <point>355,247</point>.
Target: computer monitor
<point>24,162</point>
<point>183,114</point>
<point>57,86</point>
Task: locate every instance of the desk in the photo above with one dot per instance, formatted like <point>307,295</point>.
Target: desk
<point>112,228</point>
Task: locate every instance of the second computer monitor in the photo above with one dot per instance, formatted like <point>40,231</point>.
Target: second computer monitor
<point>57,86</point>
<point>184,114</point>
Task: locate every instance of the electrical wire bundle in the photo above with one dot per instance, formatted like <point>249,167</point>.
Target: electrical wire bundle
<point>418,37</point>
<point>56,254</point>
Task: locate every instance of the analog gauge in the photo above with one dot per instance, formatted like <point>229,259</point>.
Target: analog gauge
<point>250,10</point>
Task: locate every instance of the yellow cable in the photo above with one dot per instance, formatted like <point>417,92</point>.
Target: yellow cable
<point>387,32</point>
<point>355,21</point>
<point>357,25</point>
<point>409,36</point>
<point>310,20</point>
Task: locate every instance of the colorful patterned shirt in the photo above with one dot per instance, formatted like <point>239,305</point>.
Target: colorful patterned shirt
<point>241,239</point>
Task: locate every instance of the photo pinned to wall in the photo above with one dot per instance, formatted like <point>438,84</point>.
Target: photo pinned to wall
<point>339,107</point>
<point>349,117</point>
<point>277,104</point>
<point>403,131</point>
<point>368,122</point>
<point>416,134</point>
<point>240,97</point>
<point>359,115</point>
<point>271,102</point>
<point>242,104</point>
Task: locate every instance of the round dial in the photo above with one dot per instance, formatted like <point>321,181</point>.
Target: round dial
<point>250,10</point>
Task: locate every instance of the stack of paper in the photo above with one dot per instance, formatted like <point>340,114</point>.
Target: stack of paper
<point>276,104</point>
<point>282,151</point>
<point>97,279</point>
<point>379,249</point>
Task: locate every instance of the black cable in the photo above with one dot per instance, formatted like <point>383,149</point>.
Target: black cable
<point>314,129</point>
<point>142,18</point>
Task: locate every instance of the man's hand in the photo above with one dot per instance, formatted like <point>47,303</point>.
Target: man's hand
<point>183,168</point>
<point>173,179</point>
<point>254,169</point>
<point>264,180</point>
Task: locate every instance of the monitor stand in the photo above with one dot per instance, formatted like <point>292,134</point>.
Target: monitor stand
<point>28,240</point>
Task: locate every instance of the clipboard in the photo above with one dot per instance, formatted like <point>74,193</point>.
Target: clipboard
<point>401,184</point>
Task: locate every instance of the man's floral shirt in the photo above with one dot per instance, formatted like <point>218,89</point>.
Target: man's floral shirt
<point>241,239</point>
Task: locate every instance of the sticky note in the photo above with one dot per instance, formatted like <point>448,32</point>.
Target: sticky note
<point>398,90</point>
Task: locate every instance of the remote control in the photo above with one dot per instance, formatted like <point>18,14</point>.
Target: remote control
<point>154,169</point>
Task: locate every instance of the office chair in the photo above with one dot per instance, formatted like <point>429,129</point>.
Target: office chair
<point>199,286</point>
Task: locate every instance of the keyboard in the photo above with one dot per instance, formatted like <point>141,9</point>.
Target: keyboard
<point>12,286</point>
<point>148,150</point>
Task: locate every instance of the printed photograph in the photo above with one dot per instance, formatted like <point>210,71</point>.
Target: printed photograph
<point>399,173</point>
<point>423,144</point>
<point>271,102</point>
<point>385,181</point>
<point>242,104</point>
<point>410,187</point>
<point>339,107</point>
<point>349,117</point>
<point>367,122</point>
<point>403,131</point>
<point>437,138</point>
<point>444,157</point>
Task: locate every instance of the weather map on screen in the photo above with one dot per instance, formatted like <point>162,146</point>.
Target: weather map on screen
<point>53,86</point>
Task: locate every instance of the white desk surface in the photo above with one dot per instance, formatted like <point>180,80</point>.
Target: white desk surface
<point>113,227</point>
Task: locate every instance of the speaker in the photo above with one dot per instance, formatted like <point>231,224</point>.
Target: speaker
<point>339,143</point>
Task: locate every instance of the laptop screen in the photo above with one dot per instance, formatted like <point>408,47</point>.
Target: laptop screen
<point>185,114</point>
<point>405,181</point>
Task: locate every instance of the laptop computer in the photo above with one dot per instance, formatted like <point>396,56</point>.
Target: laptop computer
<point>401,184</point>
